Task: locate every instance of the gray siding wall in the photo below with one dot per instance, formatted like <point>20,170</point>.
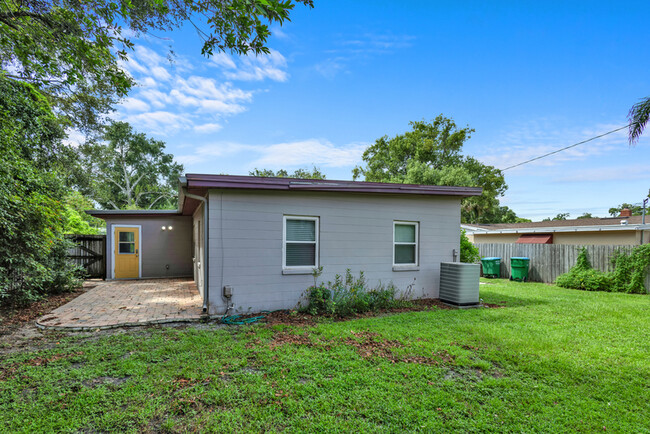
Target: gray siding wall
<point>356,232</point>
<point>158,248</point>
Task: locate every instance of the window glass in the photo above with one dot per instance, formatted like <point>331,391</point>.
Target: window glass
<point>405,254</point>
<point>301,230</point>
<point>127,237</point>
<point>405,243</point>
<point>404,233</point>
<point>127,248</point>
<point>301,242</point>
<point>300,255</point>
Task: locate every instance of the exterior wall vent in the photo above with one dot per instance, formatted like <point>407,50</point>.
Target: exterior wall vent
<point>459,283</point>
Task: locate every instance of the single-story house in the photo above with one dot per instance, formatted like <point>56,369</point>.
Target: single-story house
<point>625,229</point>
<point>252,243</point>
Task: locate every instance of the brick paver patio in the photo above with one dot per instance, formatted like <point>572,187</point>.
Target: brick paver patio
<point>128,303</point>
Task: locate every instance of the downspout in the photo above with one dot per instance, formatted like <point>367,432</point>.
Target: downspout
<point>206,245</point>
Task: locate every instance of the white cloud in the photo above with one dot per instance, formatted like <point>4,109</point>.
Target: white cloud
<point>134,104</point>
<point>160,122</point>
<point>331,67</point>
<point>74,138</point>
<point>168,98</point>
<point>207,128</point>
<point>306,152</point>
<point>615,173</point>
<point>270,66</point>
<point>279,33</point>
<point>536,138</point>
<point>160,73</point>
<point>289,155</point>
<point>223,60</point>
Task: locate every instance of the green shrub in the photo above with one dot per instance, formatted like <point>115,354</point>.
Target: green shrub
<point>583,277</point>
<point>33,169</point>
<point>468,251</point>
<point>631,270</point>
<point>628,276</point>
<point>586,280</point>
<point>349,296</point>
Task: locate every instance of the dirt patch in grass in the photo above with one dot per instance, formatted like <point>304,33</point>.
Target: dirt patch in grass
<point>15,317</point>
<point>101,381</point>
<point>368,345</point>
<point>290,339</point>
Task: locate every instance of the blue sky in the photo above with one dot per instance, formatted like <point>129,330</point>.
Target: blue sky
<point>529,77</point>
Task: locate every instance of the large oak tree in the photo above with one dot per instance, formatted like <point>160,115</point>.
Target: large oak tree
<point>128,170</point>
<point>431,153</point>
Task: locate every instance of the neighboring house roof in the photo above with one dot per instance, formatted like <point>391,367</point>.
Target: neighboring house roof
<point>574,225</point>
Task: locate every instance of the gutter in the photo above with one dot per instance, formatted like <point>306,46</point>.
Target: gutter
<point>206,240</point>
<point>602,228</point>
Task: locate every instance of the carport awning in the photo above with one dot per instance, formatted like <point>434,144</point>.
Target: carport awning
<point>535,239</point>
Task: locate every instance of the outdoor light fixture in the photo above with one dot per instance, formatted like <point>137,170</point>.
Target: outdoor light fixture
<point>163,228</point>
<point>170,228</point>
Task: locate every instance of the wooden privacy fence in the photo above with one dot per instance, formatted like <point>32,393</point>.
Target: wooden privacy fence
<point>547,261</point>
<point>89,252</point>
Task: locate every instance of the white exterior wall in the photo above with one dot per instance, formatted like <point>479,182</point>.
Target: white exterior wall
<point>356,232</point>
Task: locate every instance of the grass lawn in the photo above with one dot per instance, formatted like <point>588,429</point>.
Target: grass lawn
<point>552,360</point>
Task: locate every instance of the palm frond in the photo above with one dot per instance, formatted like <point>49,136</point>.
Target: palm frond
<point>638,116</point>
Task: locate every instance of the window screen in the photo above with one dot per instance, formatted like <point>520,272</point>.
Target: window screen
<point>405,243</point>
<point>301,241</point>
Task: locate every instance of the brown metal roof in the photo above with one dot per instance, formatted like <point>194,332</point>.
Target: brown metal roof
<point>535,239</point>
<point>198,181</point>
<point>615,221</point>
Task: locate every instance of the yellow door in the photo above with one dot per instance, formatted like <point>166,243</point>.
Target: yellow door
<point>127,248</point>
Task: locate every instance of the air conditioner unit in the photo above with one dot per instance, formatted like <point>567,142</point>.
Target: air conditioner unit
<point>459,283</point>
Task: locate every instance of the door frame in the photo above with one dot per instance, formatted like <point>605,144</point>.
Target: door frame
<point>112,244</point>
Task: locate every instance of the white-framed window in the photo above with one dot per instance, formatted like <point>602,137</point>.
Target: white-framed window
<point>300,242</point>
<point>405,243</point>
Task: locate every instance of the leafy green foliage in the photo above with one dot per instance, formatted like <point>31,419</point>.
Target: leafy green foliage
<point>76,220</point>
<point>560,216</point>
<point>635,208</point>
<point>468,251</point>
<point>349,296</point>
<point>638,117</point>
<point>630,271</point>
<point>587,215</point>
<point>130,171</point>
<point>430,154</point>
<point>315,173</point>
<point>32,188</point>
<point>70,50</point>
<point>583,276</point>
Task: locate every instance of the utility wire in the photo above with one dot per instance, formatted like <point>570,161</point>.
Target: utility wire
<point>565,148</point>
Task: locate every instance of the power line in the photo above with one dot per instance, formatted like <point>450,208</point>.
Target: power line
<point>565,148</point>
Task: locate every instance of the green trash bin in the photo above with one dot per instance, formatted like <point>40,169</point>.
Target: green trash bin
<point>491,267</point>
<point>519,268</point>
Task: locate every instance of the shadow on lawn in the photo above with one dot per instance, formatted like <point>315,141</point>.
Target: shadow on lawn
<point>513,301</point>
